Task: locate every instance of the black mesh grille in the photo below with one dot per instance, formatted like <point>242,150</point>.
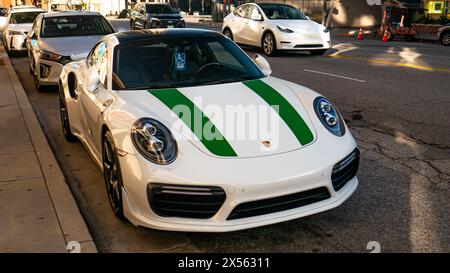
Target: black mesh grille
<point>185,201</point>
<point>280,203</point>
<point>345,170</point>
<point>308,46</point>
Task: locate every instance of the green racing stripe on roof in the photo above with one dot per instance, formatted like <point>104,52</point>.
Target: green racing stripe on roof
<point>289,115</point>
<point>172,98</point>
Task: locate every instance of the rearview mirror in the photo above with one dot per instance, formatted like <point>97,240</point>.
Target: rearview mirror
<point>3,23</point>
<point>92,80</point>
<point>262,63</point>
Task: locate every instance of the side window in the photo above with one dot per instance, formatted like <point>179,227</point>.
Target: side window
<point>240,12</point>
<point>98,58</point>
<point>251,11</point>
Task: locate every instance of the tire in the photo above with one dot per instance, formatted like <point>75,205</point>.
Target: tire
<point>318,52</point>
<point>227,32</point>
<point>64,115</point>
<point>39,87</point>
<point>30,63</point>
<point>112,175</point>
<point>269,45</point>
<point>445,38</point>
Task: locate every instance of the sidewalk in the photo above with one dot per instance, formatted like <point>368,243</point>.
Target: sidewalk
<point>37,210</point>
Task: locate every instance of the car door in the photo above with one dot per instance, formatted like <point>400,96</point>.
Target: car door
<point>237,24</point>
<point>94,102</point>
<point>254,26</point>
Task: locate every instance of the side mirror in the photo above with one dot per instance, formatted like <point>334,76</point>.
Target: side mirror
<point>92,80</point>
<point>120,29</point>
<point>3,23</point>
<point>262,63</point>
<point>256,17</point>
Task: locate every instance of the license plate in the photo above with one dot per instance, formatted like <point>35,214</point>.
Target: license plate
<point>169,26</point>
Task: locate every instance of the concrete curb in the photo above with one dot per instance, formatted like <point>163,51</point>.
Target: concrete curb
<point>70,220</point>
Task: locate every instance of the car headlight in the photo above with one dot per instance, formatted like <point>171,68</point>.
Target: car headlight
<point>284,29</point>
<point>329,116</point>
<point>45,55</point>
<point>154,141</point>
<point>13,32</point>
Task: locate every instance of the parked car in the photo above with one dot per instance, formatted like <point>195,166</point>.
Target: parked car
<point>124,14</point>
<point>59,38</point>
<point>444,35</point>
<point>16,26</point>
<point>138,104</point>
<point>276,27</point>
<point>155,15</point>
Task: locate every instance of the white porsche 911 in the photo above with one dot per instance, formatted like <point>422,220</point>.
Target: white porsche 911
<point>193,135</point>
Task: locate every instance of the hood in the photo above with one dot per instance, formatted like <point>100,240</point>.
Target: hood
<point>20,27</point>
<point>231,120</point>
<point>307,28</point>
<point>70,46</point>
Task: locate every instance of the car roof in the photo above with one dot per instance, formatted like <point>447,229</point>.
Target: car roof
<point>26,10</point>
<point>23,7</point>
<point>147,34</point>
<point>70,13</point>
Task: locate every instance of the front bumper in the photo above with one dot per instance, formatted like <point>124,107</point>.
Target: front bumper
<point>17,42</point>
<point>294,41</point>
<point>48,72</point>
<point>283,179</point>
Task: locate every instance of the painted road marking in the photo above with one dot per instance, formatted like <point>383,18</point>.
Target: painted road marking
<point>378,61</point>
<point>334,75</point>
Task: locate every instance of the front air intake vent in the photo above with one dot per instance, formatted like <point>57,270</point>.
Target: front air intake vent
<point>199,202</point>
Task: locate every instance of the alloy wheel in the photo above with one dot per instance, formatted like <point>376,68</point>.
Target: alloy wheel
<point>112,176</point>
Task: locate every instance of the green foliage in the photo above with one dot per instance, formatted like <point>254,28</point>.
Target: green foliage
<point>443,20</point>
<point>425,19</point>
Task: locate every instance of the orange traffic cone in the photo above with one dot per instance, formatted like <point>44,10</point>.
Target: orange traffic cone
<point>385,36</point>
<point>360,34</point>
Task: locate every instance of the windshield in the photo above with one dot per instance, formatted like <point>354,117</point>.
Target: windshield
<point>160,9</point>
<point>66,26</point>
<point>181,62</point>
<point>23,17</point>
<point>282,12</point>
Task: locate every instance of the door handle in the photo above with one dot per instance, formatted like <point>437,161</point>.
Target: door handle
<point>107,103</point>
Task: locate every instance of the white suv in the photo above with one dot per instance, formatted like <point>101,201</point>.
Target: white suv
<point>16,26</point>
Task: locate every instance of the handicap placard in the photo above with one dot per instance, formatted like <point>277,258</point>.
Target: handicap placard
<point>180,61</point>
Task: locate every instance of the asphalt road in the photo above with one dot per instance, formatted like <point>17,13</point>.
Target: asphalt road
<point>396,97</point>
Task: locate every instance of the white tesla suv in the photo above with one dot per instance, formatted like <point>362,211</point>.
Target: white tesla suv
<point>276,27</point>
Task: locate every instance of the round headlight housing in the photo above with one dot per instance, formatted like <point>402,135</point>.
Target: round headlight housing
<point>154,141</point>
<point>329,116</point>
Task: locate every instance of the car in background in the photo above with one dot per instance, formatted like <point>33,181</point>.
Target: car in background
<point>124,14</point>
<point>138,104</point>
<point>18,23</point>
<point>444,35</point>
<point>276,27</point>
<point>155,15</point>
<point>3,12</point>
<point>58,38</point>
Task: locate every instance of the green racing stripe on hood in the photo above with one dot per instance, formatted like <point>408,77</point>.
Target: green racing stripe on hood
<point>172,98</point>
<point>289,115</point>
